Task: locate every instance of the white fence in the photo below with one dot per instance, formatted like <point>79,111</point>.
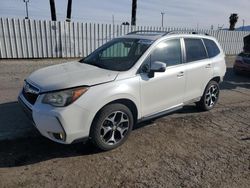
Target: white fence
<point>48,39</point>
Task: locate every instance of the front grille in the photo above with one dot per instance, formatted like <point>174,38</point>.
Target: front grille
<point>30,97</point>
<point>30,93</point>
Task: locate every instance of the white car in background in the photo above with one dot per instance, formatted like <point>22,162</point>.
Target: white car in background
<point>130,79</point>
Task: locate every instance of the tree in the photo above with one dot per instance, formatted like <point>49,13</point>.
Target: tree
<point>52,10</point>
<point>134,7</point>
<point>125,23</point>
<point>233,20</point>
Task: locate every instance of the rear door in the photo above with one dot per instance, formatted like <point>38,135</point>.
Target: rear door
<point>199,69</point>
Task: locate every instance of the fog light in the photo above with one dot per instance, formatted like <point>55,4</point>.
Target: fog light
<point>59,136</point>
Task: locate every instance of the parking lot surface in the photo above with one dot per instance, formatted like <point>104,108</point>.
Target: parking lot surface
<point>187,148</point>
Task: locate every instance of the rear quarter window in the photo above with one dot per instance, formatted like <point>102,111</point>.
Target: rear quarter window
<point>212,48</point>
<point>195,49</point>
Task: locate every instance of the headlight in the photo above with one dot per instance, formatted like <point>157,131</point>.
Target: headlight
<point>63,98</point>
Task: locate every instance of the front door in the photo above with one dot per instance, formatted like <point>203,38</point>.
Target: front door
<point>166,89</point>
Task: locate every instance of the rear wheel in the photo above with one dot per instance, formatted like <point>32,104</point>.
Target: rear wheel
<point>111,126</point>
<point>210,96</point>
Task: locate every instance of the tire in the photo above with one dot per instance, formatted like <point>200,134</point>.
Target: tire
<point>111,126</point>
<point>210,96</point>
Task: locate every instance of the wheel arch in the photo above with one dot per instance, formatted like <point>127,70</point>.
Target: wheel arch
<point>125,101</point>
<point>216,79</point>
<point>130,104</point>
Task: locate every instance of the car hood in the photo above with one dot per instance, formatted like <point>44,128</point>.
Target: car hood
<point>68,75</point>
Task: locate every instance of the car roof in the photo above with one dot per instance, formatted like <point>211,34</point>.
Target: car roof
<point>154,35</point>
<point>142,36</point>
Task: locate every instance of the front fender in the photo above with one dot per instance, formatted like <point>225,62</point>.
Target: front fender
<point>100,95</point>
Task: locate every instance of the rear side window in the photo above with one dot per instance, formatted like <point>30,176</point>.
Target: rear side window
<point>212,48</point>
<point>195,50</point>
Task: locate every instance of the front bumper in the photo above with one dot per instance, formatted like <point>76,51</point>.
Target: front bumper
<point>63,125</point>
<point>26,109</point>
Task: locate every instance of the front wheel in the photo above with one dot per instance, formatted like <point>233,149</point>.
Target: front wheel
<point>111,126</point>
<point>210,96</point>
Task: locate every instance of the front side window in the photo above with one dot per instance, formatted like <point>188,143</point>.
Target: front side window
<point>168,52</point>
<point>119,54</point>
<point>212,48</point>
<point>195,50</point>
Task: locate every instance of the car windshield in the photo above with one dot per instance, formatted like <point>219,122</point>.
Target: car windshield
<point>119,54</point>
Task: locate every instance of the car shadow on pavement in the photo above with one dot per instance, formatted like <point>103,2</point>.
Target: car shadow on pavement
<point>21,144</point>
<point>26,151</point>
<point>232,81</point>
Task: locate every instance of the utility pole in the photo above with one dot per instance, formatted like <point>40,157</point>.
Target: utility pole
<point>113,19</point>
<point>243,24</point>
<point>162,19</point>
<point>69,8</point>
<point>220,27</point>
<point>27,11</point>
<point>134,7</point>
<point>52,10</point>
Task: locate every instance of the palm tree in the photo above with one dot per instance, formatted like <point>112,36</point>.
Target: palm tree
<point>52,10</point>
<point>232,20</point>
<point>69,8</point>
<point>134,7</point>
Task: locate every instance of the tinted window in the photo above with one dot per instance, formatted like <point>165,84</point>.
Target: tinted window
<point>212,48</point>
<point>119,49</point>
<point>168,52</point>
<point>195,50</point>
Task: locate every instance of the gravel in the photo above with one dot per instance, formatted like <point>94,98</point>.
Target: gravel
<point>187,148</point>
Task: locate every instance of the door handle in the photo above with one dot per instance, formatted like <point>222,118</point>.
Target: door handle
<point>180,74</point>
<point>208,66</point>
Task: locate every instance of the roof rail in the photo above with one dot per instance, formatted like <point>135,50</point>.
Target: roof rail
<point>164,33</point>
<point>187,32</point>
<point>148,32</point>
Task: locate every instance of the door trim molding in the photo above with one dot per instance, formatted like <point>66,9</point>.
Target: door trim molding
<point>161,113</point>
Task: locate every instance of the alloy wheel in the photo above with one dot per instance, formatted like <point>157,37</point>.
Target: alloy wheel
<point>114,127</point>
<point>212,96</point>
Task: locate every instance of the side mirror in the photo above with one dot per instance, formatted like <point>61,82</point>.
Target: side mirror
<point>158,66</point>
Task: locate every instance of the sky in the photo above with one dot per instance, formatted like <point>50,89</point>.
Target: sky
<point>178,13</point>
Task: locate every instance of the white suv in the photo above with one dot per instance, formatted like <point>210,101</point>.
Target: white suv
<point>130,79</point>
